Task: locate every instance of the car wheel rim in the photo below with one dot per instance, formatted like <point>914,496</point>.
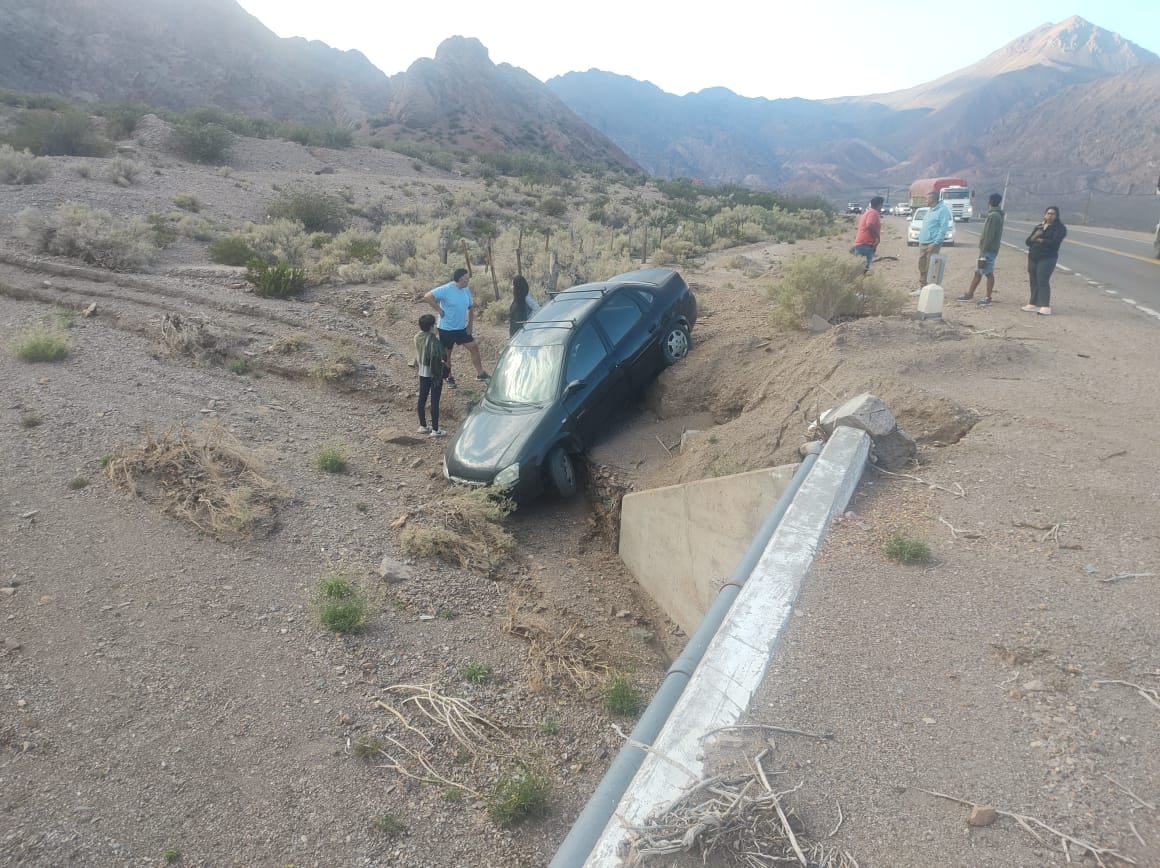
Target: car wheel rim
<point>678,344</point>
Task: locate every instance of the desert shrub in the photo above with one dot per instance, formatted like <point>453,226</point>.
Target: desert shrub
<point>163,228</point>
<point>398,244</point>
<point>361,272</point>
<point>316,210</point>
<point>831,287</point>
<point>280,241</point>
<point>231,250</point>
<point>122,172</point>
<point>22,167</point>
<point>553,207</point>
<point>187,202</point>
<point>22,99</point>
<point>91,235</point>
<point>121,119</point>
<point>275,281</point>
<point>42,345</point>
<point>208,143</point>
<point>195,227</point>
<point>317,136</point>
<point>57,133</point>
<point>354,246</point>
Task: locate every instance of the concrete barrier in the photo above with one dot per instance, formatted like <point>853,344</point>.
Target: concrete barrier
<point>738,657</point>
<point>681,541</point>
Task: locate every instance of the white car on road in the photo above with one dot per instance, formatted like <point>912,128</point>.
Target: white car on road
<point>916,228</point>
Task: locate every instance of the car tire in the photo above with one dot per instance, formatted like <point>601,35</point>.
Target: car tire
<point>562,472</point>
<point>675,344</point>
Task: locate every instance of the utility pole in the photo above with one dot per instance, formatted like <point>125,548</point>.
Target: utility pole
<point>1005,184</point>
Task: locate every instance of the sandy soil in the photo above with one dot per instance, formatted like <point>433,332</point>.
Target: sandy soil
<point>165,690</point>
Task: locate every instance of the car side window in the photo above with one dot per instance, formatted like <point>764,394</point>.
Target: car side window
<point>618,315</point>
<point>584,353</point>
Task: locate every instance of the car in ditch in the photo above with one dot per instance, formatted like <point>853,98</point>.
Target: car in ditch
<point>577,360</point>
<point>915,229</point>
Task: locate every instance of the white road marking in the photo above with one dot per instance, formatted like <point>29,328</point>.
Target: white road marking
<point>1128,300</point>
<point>1111,292</point>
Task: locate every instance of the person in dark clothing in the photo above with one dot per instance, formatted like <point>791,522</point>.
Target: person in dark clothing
<point>1042,254</point>
<point>989,243</point>
<point>523,305</point>
<point>431,362</point>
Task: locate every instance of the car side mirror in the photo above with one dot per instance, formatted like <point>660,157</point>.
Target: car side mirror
<point>573,387</point>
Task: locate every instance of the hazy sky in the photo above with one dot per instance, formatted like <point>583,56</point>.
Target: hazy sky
<point>802,48</point>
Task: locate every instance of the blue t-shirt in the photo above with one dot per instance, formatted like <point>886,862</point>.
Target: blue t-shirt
<point>935,224</point>
<point>455,303</point>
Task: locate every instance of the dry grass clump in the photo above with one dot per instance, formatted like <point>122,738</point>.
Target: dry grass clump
<point>185,338</point>
<point>42,344</point>
<point>554,656</point>
<point>336,366</point>
<point>471,533</point>
<point>205,478</point>
<point>832,287</point>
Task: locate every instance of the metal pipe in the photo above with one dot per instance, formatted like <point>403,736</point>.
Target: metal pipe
<point>589,826</point>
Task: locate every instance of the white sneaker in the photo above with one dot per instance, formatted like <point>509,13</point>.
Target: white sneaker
<point>438,433</point>
<point>423,429</point>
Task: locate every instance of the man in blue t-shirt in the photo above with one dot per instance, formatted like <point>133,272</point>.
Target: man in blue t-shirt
<point>456,309</point>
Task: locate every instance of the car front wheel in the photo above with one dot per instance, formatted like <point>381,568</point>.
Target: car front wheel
<point>562,472</point>
<point>675,344</point>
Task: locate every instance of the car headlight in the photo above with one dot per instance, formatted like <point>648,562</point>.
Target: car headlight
<point>507,477</point>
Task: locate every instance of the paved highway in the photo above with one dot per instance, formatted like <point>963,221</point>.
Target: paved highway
<point>1116,262</point>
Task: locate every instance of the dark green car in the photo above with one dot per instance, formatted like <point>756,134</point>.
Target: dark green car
<point>582,356</point>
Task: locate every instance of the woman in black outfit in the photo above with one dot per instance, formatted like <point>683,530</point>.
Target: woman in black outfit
<point>1042,254</point>
<point>523,305</point>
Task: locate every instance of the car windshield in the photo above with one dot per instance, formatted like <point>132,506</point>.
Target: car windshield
<point>526,375</point>
<point>920,213</point>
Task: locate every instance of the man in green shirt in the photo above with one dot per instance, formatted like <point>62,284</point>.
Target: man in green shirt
<point>989,243</point>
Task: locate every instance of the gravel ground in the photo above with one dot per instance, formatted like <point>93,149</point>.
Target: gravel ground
<point>160,689</point>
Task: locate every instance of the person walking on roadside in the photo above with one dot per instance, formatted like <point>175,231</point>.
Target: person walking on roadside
<point>523,305</point>
<point>869,232</point>
<point>1042,254</point>
<point>430,361</point>
<point>989,243</point>
<point>930,238</point>
<point>456,309</point>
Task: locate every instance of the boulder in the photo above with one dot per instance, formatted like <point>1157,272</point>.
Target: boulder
<point>893,447</point>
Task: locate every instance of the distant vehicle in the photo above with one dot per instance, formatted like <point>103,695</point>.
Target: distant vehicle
<point>583,355</point>
<point>916,228</point>
<point>953,191</point>
<point>853,208</point>
<point>902,209</point>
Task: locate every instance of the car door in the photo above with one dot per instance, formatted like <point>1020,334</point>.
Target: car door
<point>622,318</point>
<point>594,384</point>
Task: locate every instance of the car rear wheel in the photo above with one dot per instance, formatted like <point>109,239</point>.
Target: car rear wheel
<point>675,344</point>
<point>562,472</point>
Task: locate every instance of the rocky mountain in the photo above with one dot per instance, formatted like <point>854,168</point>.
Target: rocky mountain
<point>969,121</point>
<point>182,54</point>
<point>1083,97</point>
<point>462,99</point>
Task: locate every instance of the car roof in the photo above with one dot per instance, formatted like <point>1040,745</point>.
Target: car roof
<point>570,307</point>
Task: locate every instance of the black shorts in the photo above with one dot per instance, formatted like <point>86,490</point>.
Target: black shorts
<point>452,337</point>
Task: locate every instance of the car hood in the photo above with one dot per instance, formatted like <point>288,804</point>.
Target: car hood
<point>490,440</point>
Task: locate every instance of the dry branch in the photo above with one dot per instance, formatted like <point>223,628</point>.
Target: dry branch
<point>1026,822</point>
<point>743,819</point>
<point>958,491</point>
<point>1153,696</point>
